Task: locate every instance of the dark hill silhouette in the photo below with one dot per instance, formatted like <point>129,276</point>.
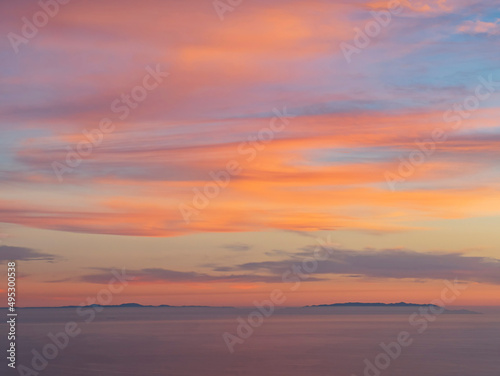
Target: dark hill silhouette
<point>388,305</point>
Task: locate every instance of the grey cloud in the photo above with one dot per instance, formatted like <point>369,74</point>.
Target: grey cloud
<point>8,253</point>
<point>237,247</point>
<point>390,263</point>
<point>385,263</point>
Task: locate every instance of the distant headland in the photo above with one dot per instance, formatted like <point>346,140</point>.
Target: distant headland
<point>390,305</point>
<point>394,306</point>
<point>125,305</point>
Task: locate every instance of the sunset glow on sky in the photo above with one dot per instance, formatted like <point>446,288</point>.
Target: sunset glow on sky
<point>207,154</point>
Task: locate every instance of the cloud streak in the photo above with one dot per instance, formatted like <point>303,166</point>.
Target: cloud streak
<point>389,263</point>
<point>367,264</point>
<point>160,275</point>
<point>9,253</point>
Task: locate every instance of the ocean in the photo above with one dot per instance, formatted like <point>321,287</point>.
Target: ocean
<point>191,341</point>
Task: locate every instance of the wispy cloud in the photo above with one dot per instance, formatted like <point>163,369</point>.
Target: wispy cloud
<point>237,247</point>
<point>388,263</point>
<point>160,275</point>
<point>366,264</point>
<point>480,27</point>
<point>352,123</point>
<point>8,253</point>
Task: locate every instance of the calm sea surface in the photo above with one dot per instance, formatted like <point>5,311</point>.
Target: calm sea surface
<point>189,342</point>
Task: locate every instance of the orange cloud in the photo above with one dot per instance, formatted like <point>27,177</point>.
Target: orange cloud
<point>480,27</point>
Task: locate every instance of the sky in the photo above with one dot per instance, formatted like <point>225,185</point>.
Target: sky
<point>211,148</point>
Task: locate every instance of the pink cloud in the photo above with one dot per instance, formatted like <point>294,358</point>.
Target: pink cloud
<point>480,27</point>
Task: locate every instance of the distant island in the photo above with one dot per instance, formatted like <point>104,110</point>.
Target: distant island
<point>308,309</point>
<point>125,305</point>
<point>389,305</point>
